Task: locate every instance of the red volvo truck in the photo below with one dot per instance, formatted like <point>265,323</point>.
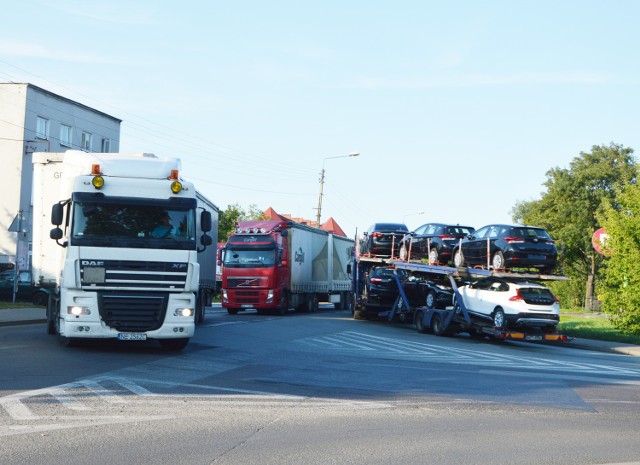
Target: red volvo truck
<point>276,266</point>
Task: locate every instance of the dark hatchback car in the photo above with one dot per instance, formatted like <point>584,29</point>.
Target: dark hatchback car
<point>382,290</point>
<point>25,290</point>
<point>434,241</point>
<point>510,246</point>
<point>381,237</point>
<point>381,287</point>
<point>424,292</point>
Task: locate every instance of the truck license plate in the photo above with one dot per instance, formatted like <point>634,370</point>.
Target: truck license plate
<point>533,338</point>
<point>132,336</point>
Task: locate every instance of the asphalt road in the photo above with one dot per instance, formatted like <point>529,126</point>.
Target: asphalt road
<point>315,389</point>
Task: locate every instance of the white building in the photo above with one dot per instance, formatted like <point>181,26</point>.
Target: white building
<point>33,119</point>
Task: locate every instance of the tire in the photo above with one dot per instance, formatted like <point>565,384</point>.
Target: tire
<point>62,340</point>
<point>52,314</point>
<point>233,311</point>
<point>40,298</point>
<point>498,260</point>
<point>200,298</point>
<point>458,258</point>
<point>546,270</point>
<point>312,303</point>
<point>499,320</point>
<point>283,308</point>
<point>437,325</point>
<point>430,301</point>
<point>174,345</point>
<point>433,256</point>
<point>351,299</point>
<point>402,254</point>
<point>419,322</point>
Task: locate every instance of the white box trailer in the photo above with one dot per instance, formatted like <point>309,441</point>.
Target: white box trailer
<point>118,268</point>
<point>207,258</point>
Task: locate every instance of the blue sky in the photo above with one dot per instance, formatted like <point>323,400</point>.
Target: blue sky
<point>457,109</point>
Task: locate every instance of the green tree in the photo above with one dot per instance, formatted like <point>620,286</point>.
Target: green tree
<point>621,285</point>
<point>569,208</point>
<point>233,213</point>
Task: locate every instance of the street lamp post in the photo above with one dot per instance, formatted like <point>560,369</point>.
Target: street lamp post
<point>319,215</point>
<point>404,218</point>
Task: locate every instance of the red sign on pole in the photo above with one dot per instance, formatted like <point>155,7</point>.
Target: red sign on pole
<point>599,241</point>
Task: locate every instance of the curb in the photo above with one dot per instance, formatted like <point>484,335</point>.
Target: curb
<point>22,322</point>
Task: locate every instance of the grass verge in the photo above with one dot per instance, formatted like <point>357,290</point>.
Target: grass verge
<point>594,327</point>
<point>17,305</point>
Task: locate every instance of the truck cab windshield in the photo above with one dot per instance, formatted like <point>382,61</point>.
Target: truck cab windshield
<point>133,225</point>
<point>243,258</point>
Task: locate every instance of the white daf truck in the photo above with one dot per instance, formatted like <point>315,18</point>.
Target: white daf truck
<point>122,254</point>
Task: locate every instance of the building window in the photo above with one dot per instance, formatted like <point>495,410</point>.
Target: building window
<point>65,135</point>
<point>86,141</point>
<point>106,145</point>
<point>42,128</point>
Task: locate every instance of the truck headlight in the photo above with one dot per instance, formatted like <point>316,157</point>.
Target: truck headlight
<point>183,312</point>
<point>270,296</point>
<point>77,310</point>
<point>224,295</point>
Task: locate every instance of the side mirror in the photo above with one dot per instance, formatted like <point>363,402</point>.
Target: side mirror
<point>205,221</point>
<point>348,268</point>
<point>206,240</point>
<point>56,234</point>
<point>57,215</point>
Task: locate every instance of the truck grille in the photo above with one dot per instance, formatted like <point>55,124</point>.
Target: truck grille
<point>140,275</point>
<point>129,312</point>
<point>246,282</point>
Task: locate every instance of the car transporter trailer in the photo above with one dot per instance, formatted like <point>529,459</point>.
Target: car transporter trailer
<point>453,319</point>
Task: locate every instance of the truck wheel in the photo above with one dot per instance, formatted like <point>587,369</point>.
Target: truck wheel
<point>312,303</point>
<point>233,311</point>
<point>52,314</point>
<point>437,325</point>
<point>200,301</point>
<point>283,308</point>
<point>62,340</point>
<point>419,322</point>
<point>174,345</point>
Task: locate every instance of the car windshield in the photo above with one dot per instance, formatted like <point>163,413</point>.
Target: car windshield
<point>390,227</point>
<point>529,233</point>
<point>382,273</point>
<point>458,230</point>
<point>133,225</point>
<point>249,258</point>
<point>532,292</point>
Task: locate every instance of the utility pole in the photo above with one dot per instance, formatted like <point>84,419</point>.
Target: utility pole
<point>319,214</point>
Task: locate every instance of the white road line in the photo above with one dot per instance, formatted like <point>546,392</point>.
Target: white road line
<point>16,409</point>
<point>65,397</point>
<point>105,394</point>
<point>421,351</point>
<point>133,387</point>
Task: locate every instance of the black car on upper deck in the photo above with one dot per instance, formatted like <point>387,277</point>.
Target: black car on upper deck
<point>434,241</point>
<point>509,246</point>
<point>380,238</point>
